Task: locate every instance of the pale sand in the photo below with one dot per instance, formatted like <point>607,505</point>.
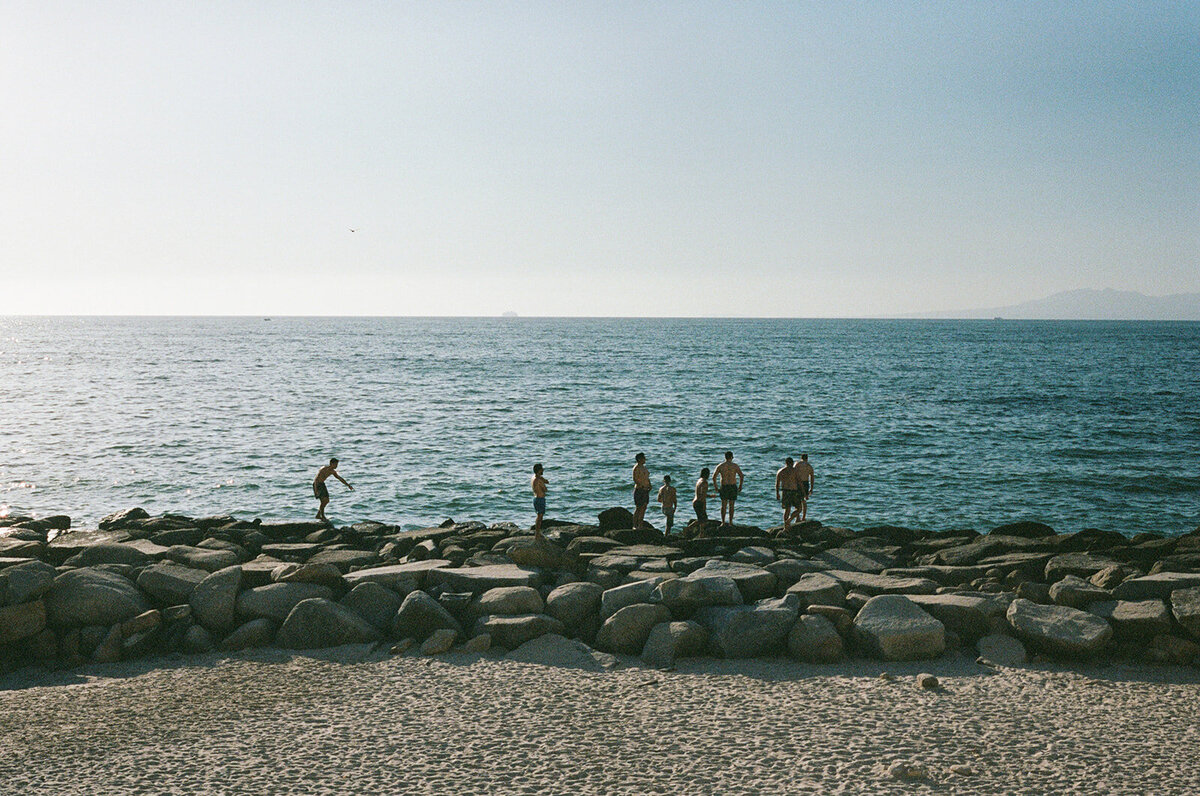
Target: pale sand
<point>354,721</point>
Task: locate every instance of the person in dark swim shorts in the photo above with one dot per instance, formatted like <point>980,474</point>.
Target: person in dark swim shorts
<point>700,502</point>
<point>728,479</point>
<point>320,491</point>
<point>641,489</point>
<point>539,484</point>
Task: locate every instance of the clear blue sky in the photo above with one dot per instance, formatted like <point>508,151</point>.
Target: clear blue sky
<point>566,158</point>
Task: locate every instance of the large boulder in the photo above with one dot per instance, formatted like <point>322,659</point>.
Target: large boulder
<point>1134,620</point>
<point>22,621</point>
<point>1057,629</point>
<point>1081,565</point>
<point>92,596</point>
<point>276,600</point>
<point>511,632</point>
<point>967,615</point>
<point>214,600</point>
<point>814,639</point>
<point>670,641</point>
<point>477,580</point>
<point>255,633</point>
<point>1001,650</point>
<point>375,603</point>
<point>544,554</point>
<point>419,615</point>
<point>747,631</point>
<point>1075,592</point>
<point>317,623</point>
<point>121,519</point>
<point>1026,529</point>
<point>892,627</point>
<point>626,630</point>
<point>400,578</point>
<point>1185,605</point>
<point>615,519</point>
<point>852,560</point>
<point>28,581</point>
<point>552,649</point>
<point>1157,586</point>
<point>511,600</point>
<point>572,603</point>
<point>869,583</point>
<point>684,595</point>
<point>816,588</point>
<point>170,583</point>
<point>755,583</point>
<point>618,597</point>
<point>108,553</point>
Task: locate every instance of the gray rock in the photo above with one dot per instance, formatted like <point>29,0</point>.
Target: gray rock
<point>510,632</point>
<point>511,600</point>
<point>669,641</point>
<point>375,603</point>
<point>295,552</point>
<point>544,554</point>
<point>400,578</point>
<point>572,603</point>
<point>214,600</point>
<point>1111,577</point>
<point>255,633</point>
<point>345,560</point>
<point>92,596</point>
<point>276,600</point>
<point>320,574</point>
<point>1075,592</point>
<point>814,639</point>
<point>1185,605</point>
<point>108,553</point>
<point>790,570</point>
<point>892,627</point>
<point>818,589</point>
<point>201,558</point>
<point>27,581</point>
<point>968,616</point>
<point>1156,586</point>
<point>927,681</point>
<point>552,649</point>
<point>480,643</point>
<point>626,630</point>
<point>752,554</point>
<point>1081,565</point>
<point>882,584</point>
<point>438,642</point>
<point>683,595</point>
<point>850,560</point>
<point>197,640</point>
<point>419,615</point>
<point>614,599</point>
<point>747,631</point>
<point>22,621</point>
<point>170,583</point>
<point>1001,650</point>
<point>755,583</point>
<point>477,580</point>
<point>1057,629</point>
<point>317,623</point>
<point>1134,620</point>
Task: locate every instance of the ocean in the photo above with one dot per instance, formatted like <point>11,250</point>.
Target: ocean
<point>929,424</point>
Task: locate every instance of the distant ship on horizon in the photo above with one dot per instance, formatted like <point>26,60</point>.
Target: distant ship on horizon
<point>509,314</point>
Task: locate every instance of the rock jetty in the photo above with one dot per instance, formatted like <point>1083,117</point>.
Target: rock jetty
<point>139,586</point>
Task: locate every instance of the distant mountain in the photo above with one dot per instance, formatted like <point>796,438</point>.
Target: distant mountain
<point>1105,305</point>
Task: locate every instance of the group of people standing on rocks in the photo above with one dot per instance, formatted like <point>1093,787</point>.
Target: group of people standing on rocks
<point>794,484</point>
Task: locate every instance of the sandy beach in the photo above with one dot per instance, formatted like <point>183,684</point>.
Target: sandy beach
<point>354,720</point>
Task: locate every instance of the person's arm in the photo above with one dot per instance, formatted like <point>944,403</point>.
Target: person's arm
<point>344,481</point>
<point>812,481</point>
<point>741,478</point>
<point>714,478</point>
<point>778,478</point>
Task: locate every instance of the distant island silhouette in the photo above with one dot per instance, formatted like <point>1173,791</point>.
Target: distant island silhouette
<point>509,314</point>
<point>1089,304</point>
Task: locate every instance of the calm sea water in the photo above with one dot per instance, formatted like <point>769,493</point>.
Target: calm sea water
<point>934,424</point>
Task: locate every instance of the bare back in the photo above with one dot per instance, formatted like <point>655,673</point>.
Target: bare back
<point>727,474</point>
<point>804,473</point>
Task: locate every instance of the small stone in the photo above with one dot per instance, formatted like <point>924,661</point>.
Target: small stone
<point>908,772</point>
<point>887,676</point>
<point>927,681</point>
<point>402,646</point>
<point>440,641</point>
<point>962,770</point>
<point>480,643</point>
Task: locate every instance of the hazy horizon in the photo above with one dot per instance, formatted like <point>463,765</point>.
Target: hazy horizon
<point>615,160</point>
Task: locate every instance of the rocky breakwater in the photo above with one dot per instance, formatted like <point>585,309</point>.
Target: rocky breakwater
<point>139,586</point>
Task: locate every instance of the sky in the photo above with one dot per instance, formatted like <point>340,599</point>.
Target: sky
<point>627,159</point>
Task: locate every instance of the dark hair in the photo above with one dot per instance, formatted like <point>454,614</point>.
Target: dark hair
<point>804,456</point>
<point>728,455</point>
<point>333,462</point>
<point>788,460</point>
<point>666,479</point>
<point>704,473</point>
<point>641,457</point>
<point>537,468</point>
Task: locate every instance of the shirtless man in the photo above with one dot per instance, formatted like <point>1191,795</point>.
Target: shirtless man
<point>667,497</point>
<point>539,500</point>
<point>785,483</point>
<point>700,501</point>
<point>641,490</point>
<point>806,480</point>
<point>728,480</point>
<point>320,491</point>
